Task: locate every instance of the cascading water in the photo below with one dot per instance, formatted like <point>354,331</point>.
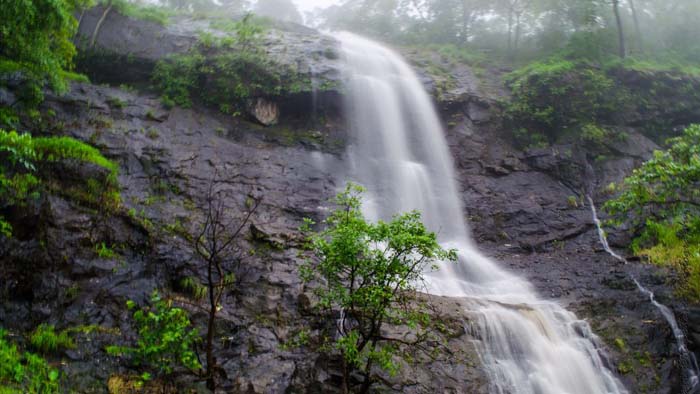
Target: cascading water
<point>400,155</point>
<point>688,361</point>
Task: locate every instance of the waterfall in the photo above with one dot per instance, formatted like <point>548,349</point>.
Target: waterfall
<point>399,154</point>
<point>687,358</point>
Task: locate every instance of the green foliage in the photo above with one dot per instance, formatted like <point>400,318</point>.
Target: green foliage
<point>597,46</point>
<point>227,71</point>
<point>557,96</point>
<point>104,252</point>
<point>46,340</point>
<point>25,372</point>
<point>594,134</point>
<point>166,339</point>
<point>153,13</point>
<point>662,201</point>
<point>26,171</point>
<point>301,338</point>
<point>370,272</point>
<point>36,40</point>
<point>460,54</point>
<point>52,149</point>
<point>194,288</point>
<point>177,77</point>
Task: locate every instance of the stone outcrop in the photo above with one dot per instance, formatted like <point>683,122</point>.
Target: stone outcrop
<point>264,111</point>
<point>526,209</point>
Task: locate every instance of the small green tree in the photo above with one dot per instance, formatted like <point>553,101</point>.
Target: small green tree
<point>661,200</point>
<point>371,273</point>
<point>166,339</point>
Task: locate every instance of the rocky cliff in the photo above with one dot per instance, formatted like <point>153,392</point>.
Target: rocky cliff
<point>526,209</point>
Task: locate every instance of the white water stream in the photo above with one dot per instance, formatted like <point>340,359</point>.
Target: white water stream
<point>687,358</point>
<point>528,345</point>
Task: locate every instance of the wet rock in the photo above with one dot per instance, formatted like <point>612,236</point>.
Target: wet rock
<point>478,112</point>
<point>264,111</point>
<point>7,98</point>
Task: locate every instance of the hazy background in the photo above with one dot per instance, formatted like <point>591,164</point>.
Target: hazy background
<point>306,6</point>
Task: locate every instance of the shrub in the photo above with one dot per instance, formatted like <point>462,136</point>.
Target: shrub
<point>661,200</point>
<point>46,340</point>
<point>554,97</point>
<point>153,13</point>
<point>370,273</point>
<point>166,340</point>
<point>226,72</point>
<point>597,45</point>
<point>25,372</point>
<point>37,35</point>
<point>594,134</point>
<point>177,76</point>
<point>24,172</point>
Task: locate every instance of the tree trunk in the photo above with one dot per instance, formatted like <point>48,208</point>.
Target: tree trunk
<point>620,30</point>
<point>211,363</point>
<point>516,46</point>
<point>99,23</point>
<point>465,22</point>
<point>510,32</point>
<point>637,30</point>
<point>346,376</point>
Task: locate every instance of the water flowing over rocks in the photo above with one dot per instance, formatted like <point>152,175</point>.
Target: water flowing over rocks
<point>518,205</point>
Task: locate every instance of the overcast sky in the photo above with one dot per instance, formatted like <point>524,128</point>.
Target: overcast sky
<point>308,5</point>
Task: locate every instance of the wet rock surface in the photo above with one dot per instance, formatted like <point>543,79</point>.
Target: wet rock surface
<point>529,211</point>
<point>526,209</point>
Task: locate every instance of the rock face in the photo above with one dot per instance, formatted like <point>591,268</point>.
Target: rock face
<point>131,47</point>
<point>526,209</point>
<point>264,111</point>
<point>529,211</point>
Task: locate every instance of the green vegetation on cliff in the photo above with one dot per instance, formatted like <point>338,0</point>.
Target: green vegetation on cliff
<point>371,272</point>
<point>559,96</point>
<point>226,71</point>
<point>662,198</point>
<point>28,169</point>
<point>24,372</point>
<point>153,13</point>
<point>165,338</point>
<point>37,47</point>
<point>573,97</point>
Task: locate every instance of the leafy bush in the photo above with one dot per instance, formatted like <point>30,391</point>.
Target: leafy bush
<point>153,13</point>
<point>370,272</point>
<point>226,72</point>
<point>46,340</point>
<point>25,372</point>
<point>26,165</point>
<point>594,134</point>
<point>177,77</point>
<point>37,42</point>
<point>596,45</point>
<point>661,200</point>
<point>557,96</point>
<point>166,340</point>
<point>37,35</point>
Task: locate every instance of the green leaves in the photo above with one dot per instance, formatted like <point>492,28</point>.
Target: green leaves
<point>226,72</point>
<point>46,339</point>
<point>370,271</point>
<point>166,340</point>
<point>556,95</point>
<point>37,36</point>
<point>25,372</point>
<point>661,199</point>
<point>27,163</point>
